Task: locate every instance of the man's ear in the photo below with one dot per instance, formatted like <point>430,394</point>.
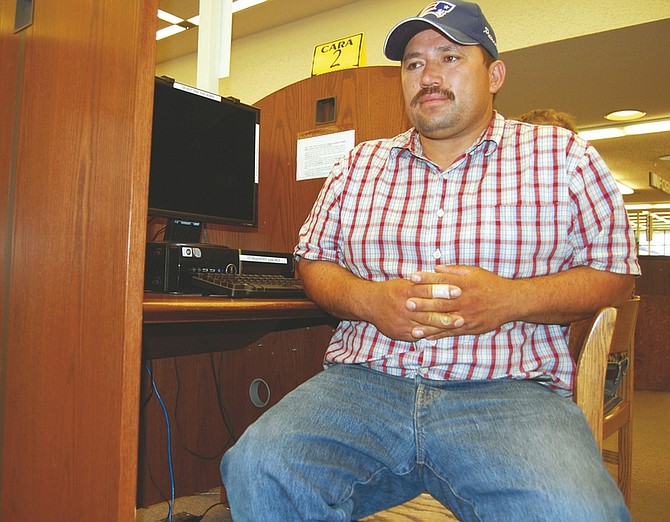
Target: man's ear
<point>497,73</point>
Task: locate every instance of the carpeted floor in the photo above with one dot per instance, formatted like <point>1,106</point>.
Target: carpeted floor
<point>651,474</point>
<point>207,504</point>
<point>650,496</point>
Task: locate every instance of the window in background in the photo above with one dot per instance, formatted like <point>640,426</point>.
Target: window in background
<point>658,246</point>
<point>651,224</point>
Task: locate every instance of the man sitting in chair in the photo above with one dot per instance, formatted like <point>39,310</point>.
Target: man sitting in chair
<point>455,254</point>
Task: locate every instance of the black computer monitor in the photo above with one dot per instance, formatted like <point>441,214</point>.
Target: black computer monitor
<point>204,160</point>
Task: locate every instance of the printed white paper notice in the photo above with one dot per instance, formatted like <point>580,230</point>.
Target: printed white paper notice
<point>317,155</point>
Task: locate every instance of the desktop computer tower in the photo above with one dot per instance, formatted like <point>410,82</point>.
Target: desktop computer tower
<point>169,266</point>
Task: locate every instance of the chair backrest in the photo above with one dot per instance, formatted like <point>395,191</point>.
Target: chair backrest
<point>623,342</point>
<point>624,332</point>
<point>590,342</point>
<point>618,417</point>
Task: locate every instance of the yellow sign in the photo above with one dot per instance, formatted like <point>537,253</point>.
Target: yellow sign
<point>344,53</point>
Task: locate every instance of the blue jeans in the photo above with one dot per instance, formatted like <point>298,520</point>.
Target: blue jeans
<point>352,441</point>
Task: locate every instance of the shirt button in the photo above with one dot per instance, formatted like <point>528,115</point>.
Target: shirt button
<point>440,212</point>
<point>437,254</point>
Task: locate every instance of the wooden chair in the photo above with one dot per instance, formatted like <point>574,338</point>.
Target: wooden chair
<point>590,342</point>
<point>620,418</point>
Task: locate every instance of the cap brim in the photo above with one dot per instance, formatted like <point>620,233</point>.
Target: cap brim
<point>403,32</point>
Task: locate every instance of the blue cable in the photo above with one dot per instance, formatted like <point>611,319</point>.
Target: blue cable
<point>169,441</point>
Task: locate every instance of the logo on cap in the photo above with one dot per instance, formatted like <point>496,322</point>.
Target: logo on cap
<point>439,9</point>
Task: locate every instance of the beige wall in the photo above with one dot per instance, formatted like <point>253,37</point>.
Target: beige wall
<point>268,61</point>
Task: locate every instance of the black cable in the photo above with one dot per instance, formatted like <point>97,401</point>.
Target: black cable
<point>212,507</point>
<point>150,219</point>
<point>217,387</point>
<point>182,438</point>
<point>158,233</point>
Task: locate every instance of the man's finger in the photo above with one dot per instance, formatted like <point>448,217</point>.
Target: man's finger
<point>445,291</point>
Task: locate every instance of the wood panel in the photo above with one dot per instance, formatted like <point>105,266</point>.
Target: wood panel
<point>655,278</point>
<point>82,92</point>
<point>9,80</point>
<point>192,386</point>
<point>652,343</point>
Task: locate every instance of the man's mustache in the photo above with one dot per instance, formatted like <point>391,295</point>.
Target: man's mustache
<point>448,93</point>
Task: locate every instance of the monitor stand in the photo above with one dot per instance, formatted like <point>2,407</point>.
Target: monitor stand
<point>182,231</point>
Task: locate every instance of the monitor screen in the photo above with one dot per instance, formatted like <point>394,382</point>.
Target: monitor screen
<point>204,157</point>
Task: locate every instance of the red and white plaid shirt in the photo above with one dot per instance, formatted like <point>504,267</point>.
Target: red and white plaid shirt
<point>522,201</point>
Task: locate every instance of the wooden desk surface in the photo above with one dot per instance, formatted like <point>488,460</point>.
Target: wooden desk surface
<point>189,324</point>
<point>168,308</point>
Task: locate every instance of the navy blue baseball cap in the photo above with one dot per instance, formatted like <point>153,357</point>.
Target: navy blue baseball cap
<point>462,22</point>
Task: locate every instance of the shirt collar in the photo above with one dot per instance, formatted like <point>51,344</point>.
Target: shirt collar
<point>487,141</point>
<point>492,135</point>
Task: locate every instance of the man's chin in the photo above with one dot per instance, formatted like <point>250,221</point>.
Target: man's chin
<point>434,130</point>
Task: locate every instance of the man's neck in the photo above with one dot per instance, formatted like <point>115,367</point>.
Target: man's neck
<point>444,151</point>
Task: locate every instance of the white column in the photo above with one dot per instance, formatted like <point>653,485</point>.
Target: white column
<point>214,37</point>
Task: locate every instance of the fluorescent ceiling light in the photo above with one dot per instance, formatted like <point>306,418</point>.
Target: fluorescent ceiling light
<point>642,217</point>
<point>178,23</point>
<point>602,134</point>
<point>648,206</point>
<point>624,189</point>
<point>238,5</point>
<point>625,115</point>
<point>649,127</point>
<point>169,31</point>
<point>167,17</point>
<point>660,218</point>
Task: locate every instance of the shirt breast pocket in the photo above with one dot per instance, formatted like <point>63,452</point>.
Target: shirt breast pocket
<point>530,240</point>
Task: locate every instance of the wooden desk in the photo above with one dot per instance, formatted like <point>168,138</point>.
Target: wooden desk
<point>166,308</point>
<point>204,352</point>
<point>177,325</point>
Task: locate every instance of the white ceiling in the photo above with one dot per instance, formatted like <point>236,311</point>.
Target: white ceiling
<point>587,77</point>
<point>249,21</point>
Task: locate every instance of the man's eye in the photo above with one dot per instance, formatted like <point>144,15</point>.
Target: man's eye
<point>413,65</point>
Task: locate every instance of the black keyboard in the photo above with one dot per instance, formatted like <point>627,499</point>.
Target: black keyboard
<point>260,286</point>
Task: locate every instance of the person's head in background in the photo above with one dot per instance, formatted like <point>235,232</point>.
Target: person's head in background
<point>550,117</point>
